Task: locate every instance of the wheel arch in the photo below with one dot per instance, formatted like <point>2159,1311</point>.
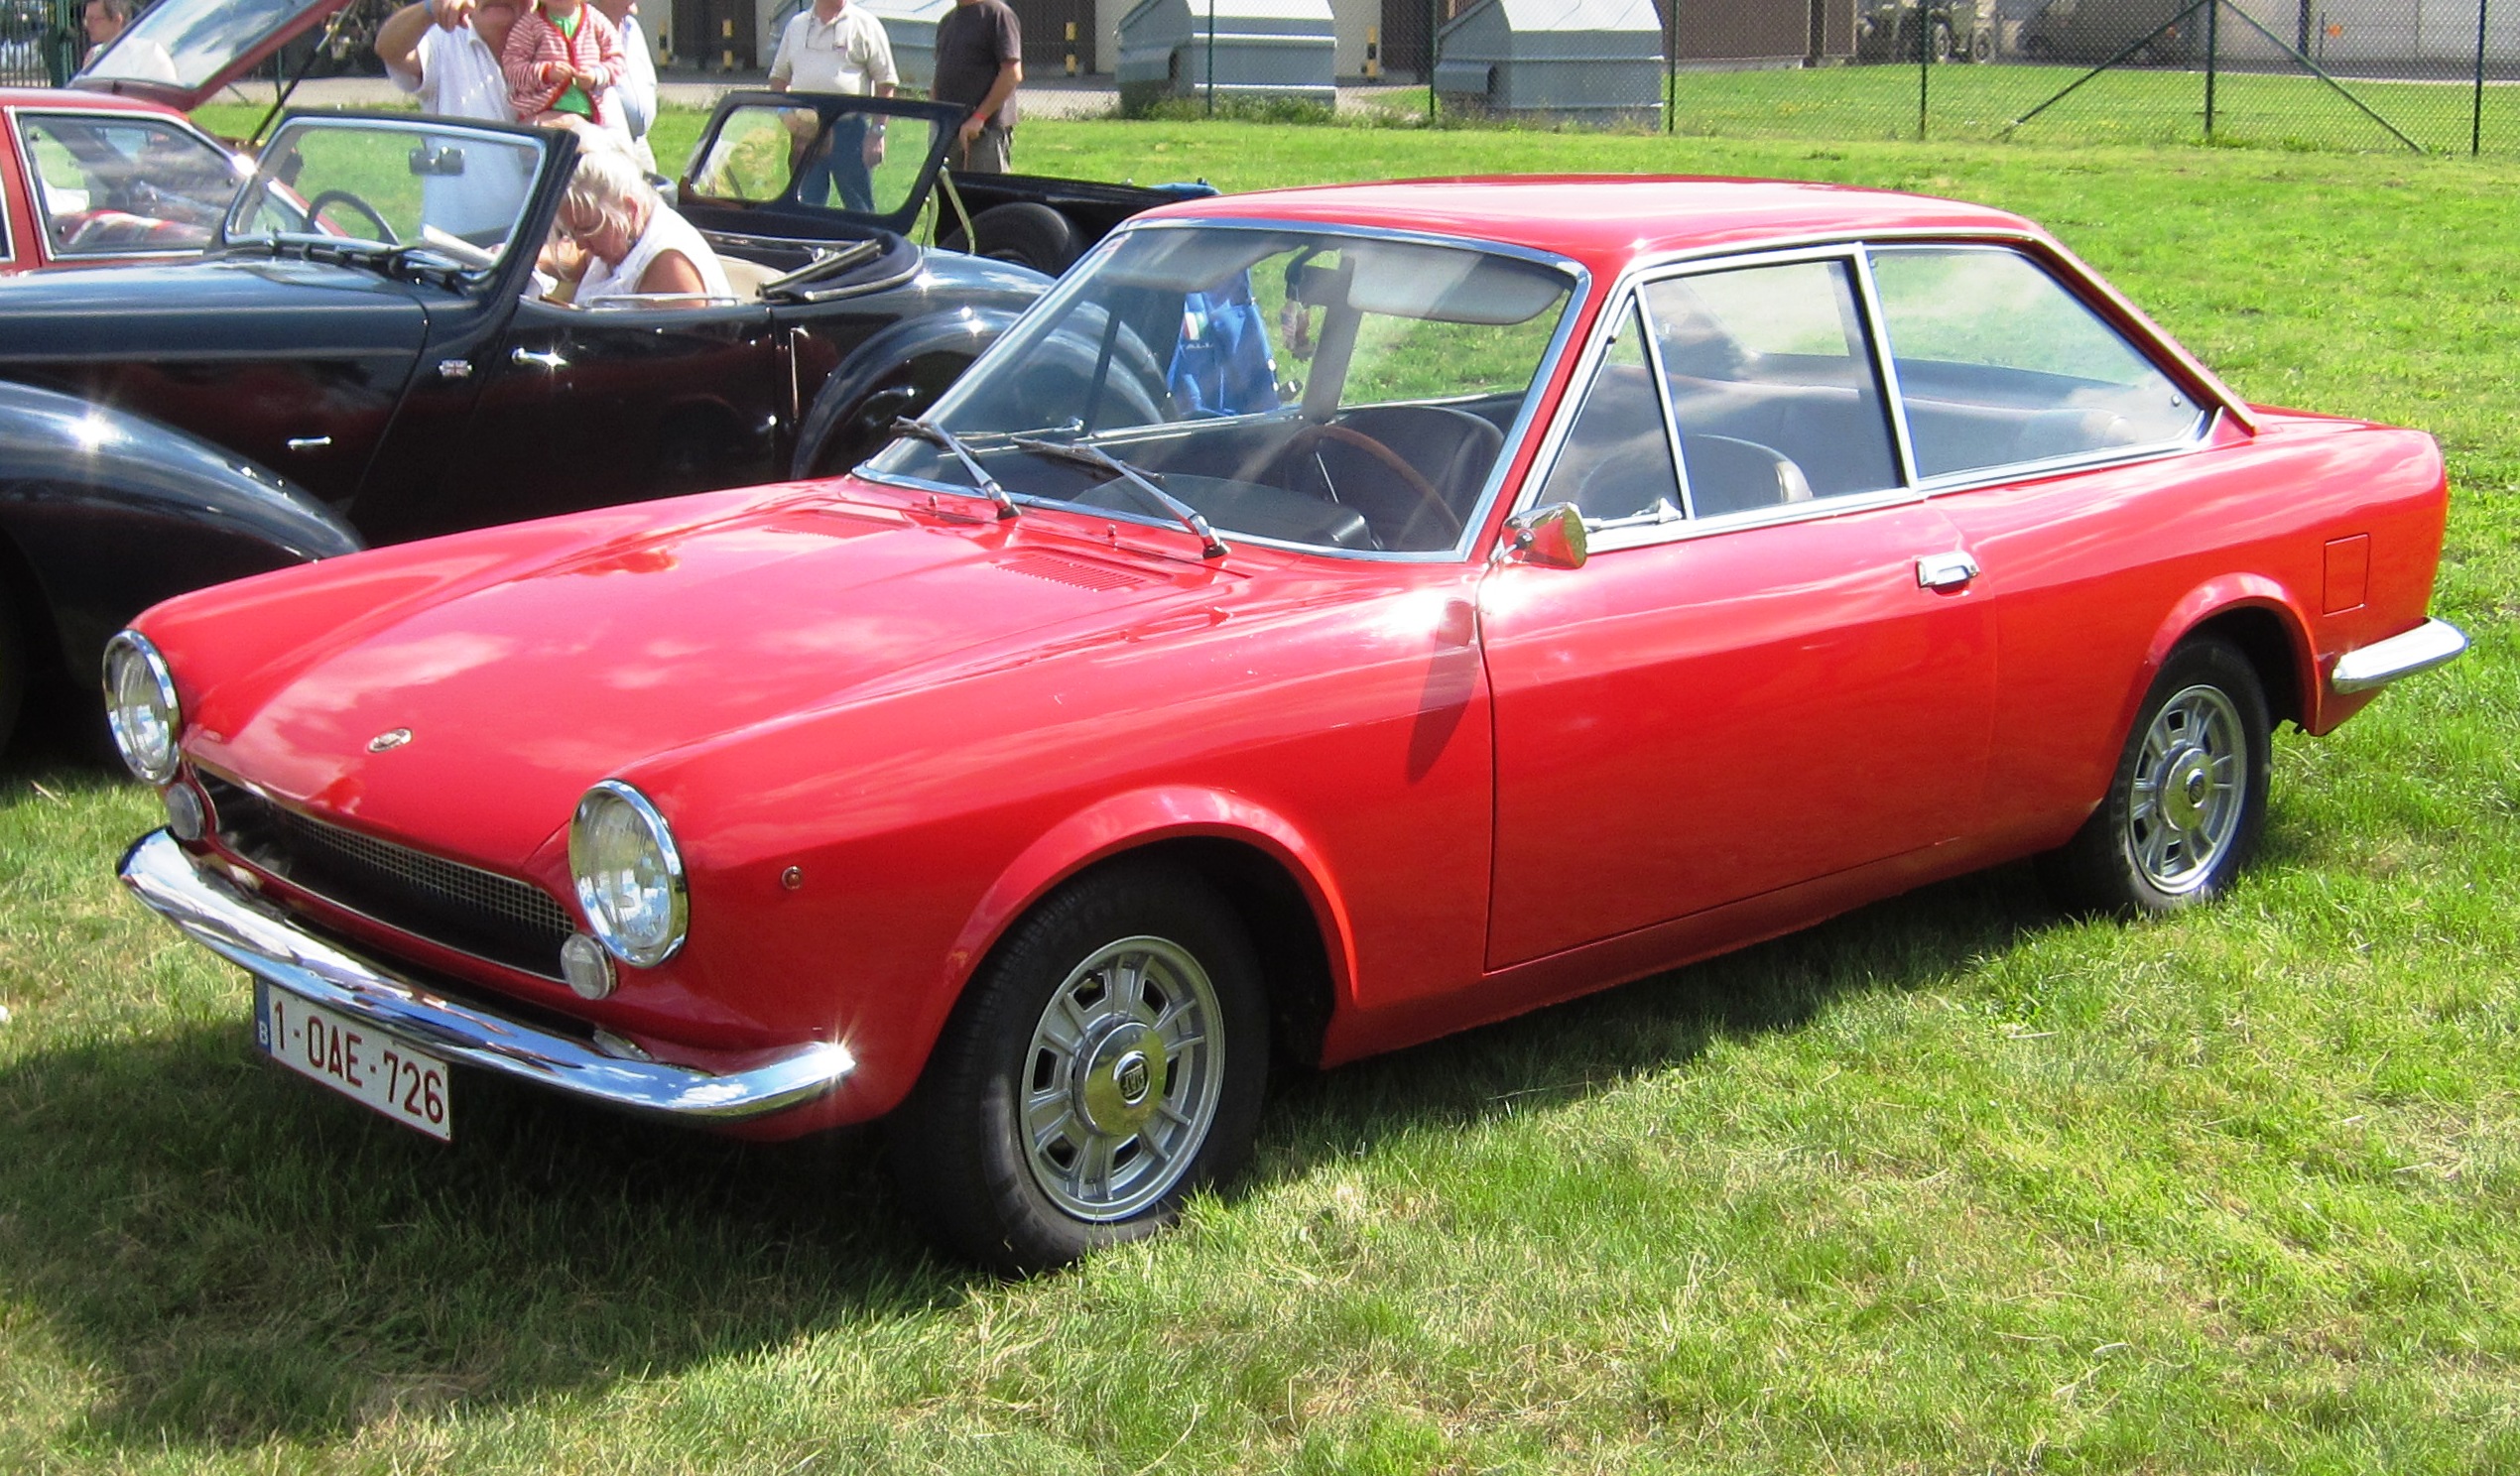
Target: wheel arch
<point>1277,883</point>
<point>2264,622</point>
<point>957,333</point>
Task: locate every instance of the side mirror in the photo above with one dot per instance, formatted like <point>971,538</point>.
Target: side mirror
<point>1550,536</point>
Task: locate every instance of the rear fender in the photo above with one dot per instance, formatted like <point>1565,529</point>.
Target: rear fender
<point>2222,595</point>
<point>111,513</point>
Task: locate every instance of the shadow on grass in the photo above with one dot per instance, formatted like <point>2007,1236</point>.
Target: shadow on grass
<point>240,1256</point>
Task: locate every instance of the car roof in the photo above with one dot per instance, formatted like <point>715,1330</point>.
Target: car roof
<point>1607,220</point>
<point>79,99</point>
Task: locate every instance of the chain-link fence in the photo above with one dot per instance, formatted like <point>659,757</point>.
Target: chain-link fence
<point>2432,75</point>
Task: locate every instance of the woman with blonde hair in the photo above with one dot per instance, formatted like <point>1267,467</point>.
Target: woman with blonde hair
<point>634,245</point>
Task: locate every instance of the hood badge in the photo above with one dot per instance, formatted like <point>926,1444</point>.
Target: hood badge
<point>393,738</point>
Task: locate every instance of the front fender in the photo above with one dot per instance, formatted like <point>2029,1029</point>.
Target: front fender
<point>1141,817</point>
<point>109,513</point>
<point>893,359</point>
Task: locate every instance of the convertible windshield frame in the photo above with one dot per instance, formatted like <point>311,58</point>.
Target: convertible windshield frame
<point>254,186</point>
<point>1062,297</point>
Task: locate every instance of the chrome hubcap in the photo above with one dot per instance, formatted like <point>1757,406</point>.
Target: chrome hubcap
<point>1122,1078</point>
<point>2191,782</point>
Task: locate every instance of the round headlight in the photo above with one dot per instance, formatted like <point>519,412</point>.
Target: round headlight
<point>141,706</point>
<point>629,875</point>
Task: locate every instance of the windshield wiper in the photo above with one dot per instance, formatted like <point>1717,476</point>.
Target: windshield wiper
<point>1211,546</point>
<point>938,436</point>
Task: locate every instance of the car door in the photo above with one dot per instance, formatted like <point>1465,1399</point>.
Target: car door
<point>585,407</point>
<point>1749,683</point>
<point>2071,458</point>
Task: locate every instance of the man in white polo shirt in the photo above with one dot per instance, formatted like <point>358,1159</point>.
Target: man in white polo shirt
<point>836,46</point>
<point>445,53</point>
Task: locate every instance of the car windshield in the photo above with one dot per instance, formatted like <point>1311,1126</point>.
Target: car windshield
<point>189,42</point>
<point>369,182</point>
<point>1320,388</point>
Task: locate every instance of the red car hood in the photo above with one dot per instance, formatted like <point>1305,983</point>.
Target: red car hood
<point>182,52</point>
<point>520,690</point>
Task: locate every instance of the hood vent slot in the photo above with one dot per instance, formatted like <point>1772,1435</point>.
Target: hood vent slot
<point>1076,572</point>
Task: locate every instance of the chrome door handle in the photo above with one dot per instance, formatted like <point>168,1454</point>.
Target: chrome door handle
<point>528,359</point>
<point>309,442</point>
<point>1945,570</point>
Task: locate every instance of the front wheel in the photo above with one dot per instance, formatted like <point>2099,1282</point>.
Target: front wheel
<point>2189,798</point>
<point>1108,1061</point>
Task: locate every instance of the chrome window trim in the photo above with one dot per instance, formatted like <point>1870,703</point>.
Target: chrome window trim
<point>1885,369</point>
<point>1634,302</point>
<point>2214,406</point>
<point>1474,524</point>
<point>35,179</point>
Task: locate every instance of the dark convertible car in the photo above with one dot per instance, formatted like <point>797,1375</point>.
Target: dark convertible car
<point>365,354</point>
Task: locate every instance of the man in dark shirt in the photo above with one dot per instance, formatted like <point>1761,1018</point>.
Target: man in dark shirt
<point>980,63</point>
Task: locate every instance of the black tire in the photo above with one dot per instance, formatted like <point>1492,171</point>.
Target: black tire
<point>1181,1091</point>
<point>1942,40</point>
<point>13,664</point>
<point>1027,234</point>
<point>1981,44</point>
<point>2188,799</point>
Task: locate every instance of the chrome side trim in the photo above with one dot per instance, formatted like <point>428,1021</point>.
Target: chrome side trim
<point>2435,643</point>
<point>259,938</point>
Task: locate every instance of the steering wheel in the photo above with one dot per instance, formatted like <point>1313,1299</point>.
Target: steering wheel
<point>1410,477</point>
<point>315,213</point>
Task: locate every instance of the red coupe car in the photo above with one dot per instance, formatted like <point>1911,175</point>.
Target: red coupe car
<point>1329,619</point>
<point>95,180</point>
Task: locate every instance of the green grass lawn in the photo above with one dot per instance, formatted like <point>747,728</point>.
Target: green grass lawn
<point>1952,1185</point>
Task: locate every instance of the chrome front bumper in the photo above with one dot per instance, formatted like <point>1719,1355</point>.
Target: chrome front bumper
<point>2435,643</point>
<point>250,932</point>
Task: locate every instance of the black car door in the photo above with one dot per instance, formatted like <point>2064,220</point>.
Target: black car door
<point>585,407</point>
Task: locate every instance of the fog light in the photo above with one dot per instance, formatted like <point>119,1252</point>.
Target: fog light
<point>586,967</point>
<point>188,816</point>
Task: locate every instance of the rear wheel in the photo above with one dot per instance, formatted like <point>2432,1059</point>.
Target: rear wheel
<point>2189,798</point>
<point>1027,234</point>
<point>1108,1062</point>
<point>863,428</point>
<point>13,660</point>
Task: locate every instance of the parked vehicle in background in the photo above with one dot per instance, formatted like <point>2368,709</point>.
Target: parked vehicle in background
<point>1886,31</point>
<point>2096,30</point>
<point>91,180</point>
<point>365,347</point>
<point>1329,619</point>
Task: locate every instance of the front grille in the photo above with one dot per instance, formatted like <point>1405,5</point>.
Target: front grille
<point>460,907</point>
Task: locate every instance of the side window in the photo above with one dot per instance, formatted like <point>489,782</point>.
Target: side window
<point>1999,364</point>
<point>1617,461</point>
<point>107,185</point>
<point>1773,386</point>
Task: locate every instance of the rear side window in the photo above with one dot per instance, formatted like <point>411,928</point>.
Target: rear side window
<point>1771,384</point>
<point>1999,364</point>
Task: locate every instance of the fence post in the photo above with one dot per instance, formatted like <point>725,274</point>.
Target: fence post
<point>2213,37</point>
<point>2476,119</point>
<point>1671,66</point>
<point>1924,63</point>
<point>1211,59</point>
<point>1434,11</point>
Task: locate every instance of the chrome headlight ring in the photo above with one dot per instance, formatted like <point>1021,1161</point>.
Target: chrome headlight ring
<point>628,875</point>
<point>142,708</point>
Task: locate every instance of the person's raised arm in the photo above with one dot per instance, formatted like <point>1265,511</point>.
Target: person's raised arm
<point>397,40</point>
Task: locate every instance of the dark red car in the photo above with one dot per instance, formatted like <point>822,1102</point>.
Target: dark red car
<point>1328,619</point>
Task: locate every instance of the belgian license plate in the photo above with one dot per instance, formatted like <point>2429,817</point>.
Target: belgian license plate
<point>359,1062</point>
